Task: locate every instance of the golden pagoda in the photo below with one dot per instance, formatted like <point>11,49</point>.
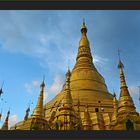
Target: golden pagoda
<point>84,103</point>
<point>87,86</point>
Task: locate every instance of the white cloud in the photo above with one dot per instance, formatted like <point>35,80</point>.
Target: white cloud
<point>13,119</point>
<point>43,40</point>
<point>134,90</point>
<point>30,87</point>
<point>57,84</point>
<point>99,60</point>
<point>54,88</point>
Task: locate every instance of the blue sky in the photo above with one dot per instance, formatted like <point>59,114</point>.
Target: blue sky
<point>37,43</point>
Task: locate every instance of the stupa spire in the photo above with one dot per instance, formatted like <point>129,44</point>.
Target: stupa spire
<point>66,114</point>
<point>5,124</point>
<point>123,84</point>
<point>84,28</point>
<point>122,77</point>
<point>67,99</point>
<point>84,57</point>
<point>125,98</point>
<point>38,111</point>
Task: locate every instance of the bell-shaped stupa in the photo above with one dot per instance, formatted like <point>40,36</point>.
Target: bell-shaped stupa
<point>87,85</point>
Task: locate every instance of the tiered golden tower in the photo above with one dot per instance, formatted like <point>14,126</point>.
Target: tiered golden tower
<point>66,118</point>
<point>37,120</point>
<point>125,115</point>
<point>87,87</point>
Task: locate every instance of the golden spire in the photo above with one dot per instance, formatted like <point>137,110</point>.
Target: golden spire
<point>84,57</point>
<point>67,99</point>
<point>5,124</point>
<point>125,102</point>
<point>66,114</point>
<point>84,28</point>
<point>122,77</point>
<point>115,106</point>
<point>38,111</point>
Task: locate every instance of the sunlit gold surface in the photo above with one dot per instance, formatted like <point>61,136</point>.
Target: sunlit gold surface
<point>87,123</point>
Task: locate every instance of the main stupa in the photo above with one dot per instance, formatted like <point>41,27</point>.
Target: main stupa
<point>87,85</point>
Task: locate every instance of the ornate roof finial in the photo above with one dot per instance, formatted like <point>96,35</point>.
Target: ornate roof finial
<point>68,74</point>
<point>84,22</point>
<point>43,84</point>
<point>119,53</point>
<point>68,64</point>
<point>84,28</point>
<point>114,94</point>
<point>120,65</point>
<point>8,113</point>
